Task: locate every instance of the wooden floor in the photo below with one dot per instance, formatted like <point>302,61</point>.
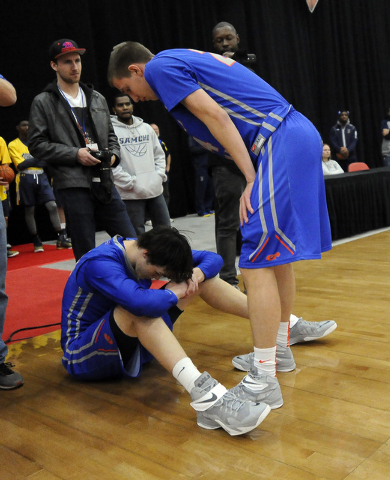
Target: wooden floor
<point>335,423</point>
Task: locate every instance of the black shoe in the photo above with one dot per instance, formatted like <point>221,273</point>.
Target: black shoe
<point>63,242</point>
<point>8,378</point>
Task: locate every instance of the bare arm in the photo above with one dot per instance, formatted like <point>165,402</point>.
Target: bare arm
<point>7,93</point>
<point>200,104</point>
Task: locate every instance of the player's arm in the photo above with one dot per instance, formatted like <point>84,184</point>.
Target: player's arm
<point>200,104</point>
<point>7,93</point>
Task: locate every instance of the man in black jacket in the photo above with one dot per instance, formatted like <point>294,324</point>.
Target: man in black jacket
<point>68,123</point>
<point>343,138</point>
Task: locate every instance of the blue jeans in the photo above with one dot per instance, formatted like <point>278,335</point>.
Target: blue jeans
<point>386,160</point>
<point>3,296</point>
<point>228,190</point>
<point>156,209</point>
<point>83,211</point>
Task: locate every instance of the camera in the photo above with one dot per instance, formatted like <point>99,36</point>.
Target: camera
<point>245,58</point>
<point>102,189</point>
<point>103,155</point>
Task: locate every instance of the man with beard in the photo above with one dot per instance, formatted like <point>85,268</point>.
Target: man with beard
<point>69,123</point>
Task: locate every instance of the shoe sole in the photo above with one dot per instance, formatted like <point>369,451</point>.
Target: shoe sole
<point>234,432</point>
<point>19,384</point>
<point>331,329</point>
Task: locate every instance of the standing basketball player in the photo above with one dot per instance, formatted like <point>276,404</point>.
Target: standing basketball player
<point>283,213</point>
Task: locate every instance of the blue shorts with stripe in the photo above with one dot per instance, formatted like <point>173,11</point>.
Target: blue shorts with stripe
<point>290,220</point>
<point>95,354</point>
<point>35,189</point>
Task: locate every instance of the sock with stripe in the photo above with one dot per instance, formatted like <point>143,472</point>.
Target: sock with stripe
<point>265,361</point>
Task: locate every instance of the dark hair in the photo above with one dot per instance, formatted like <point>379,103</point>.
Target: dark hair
<point>222,25</point>
<point>119,94</point>
<point>169,249</point>
<point>20,120</point>
<point>124,55</point>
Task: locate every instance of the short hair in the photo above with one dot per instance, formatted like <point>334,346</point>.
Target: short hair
<point>169,249</point>
<point>119,94</point>
<point>126,54</point>
<point>20,120</point>
<point>222,25</point>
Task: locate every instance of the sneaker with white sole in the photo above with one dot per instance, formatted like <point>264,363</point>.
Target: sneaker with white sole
<point>304,331</point>
<point>217,407</point>
<point>284,360</point>
<point>259,388</point>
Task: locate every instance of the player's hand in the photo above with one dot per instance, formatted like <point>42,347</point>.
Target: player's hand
<point>85,158</point>
<point>228,54</point>
<point>245,203</point>
<point>179,289</point>
<point>3,183</point>
<point>112,160</point>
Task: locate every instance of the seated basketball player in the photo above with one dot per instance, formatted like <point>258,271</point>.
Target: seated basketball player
<point>112,322</point>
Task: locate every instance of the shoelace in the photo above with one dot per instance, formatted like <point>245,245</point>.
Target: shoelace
<point>232,402</point>
<point>5,368</point>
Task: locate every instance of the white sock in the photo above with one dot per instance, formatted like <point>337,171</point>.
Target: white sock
<point>265,361</point>
<point>186,373</point>
<point>283,335</point>
<point>293,320</point>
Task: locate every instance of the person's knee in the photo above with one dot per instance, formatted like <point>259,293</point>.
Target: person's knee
<point>126,321</point>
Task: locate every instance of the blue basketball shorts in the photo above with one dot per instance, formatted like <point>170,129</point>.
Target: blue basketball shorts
<point>290,220</point>
<point>35,189</point>
<point>102,351</point>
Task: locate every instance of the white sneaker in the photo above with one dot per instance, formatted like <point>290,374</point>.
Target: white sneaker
<point>304,331</point>
<point>217,407</point>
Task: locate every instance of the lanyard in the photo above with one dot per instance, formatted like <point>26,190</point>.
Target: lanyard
<point>80,127</point>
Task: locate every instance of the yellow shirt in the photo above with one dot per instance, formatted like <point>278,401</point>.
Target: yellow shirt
<point>4,158</point>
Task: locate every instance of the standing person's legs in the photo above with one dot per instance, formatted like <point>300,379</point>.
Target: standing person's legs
<point>113,216</point>
<point>201,177</point>
<point>136,211</point>
<point>158,211</point>
<point>3,295</point>
<point>79,210</point>
<point>228,190</point>
<point>8,378</point>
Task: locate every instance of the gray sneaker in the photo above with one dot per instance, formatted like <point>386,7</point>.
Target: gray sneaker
<point>304,331</point>
<point>8,378</point>
<point>217,407</point>
<point>284,360</point>
<point>259,388</point>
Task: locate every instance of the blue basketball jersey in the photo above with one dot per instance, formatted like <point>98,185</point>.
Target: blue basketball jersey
<point>253,105</point>
<point>290,220</point>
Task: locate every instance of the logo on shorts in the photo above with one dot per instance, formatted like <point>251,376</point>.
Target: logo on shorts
<point>108,338</point>
<point>274,256</point>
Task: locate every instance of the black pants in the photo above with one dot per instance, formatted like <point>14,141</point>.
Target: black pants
<point>83,211</point>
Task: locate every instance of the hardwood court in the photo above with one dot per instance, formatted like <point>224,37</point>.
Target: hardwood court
<point>335,423</point>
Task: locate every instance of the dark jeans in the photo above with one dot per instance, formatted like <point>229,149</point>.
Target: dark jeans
<point>204,190</point>
<point>83,211</point>
<point>228,190</point>
<point>156,208</point>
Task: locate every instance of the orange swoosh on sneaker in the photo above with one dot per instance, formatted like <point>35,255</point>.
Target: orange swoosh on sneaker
<point>263,361</point>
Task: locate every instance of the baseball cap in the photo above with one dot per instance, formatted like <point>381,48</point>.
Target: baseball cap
<point>64,46</point>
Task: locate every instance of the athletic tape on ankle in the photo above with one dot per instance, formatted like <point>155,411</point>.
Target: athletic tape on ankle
<point>209,398</point>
